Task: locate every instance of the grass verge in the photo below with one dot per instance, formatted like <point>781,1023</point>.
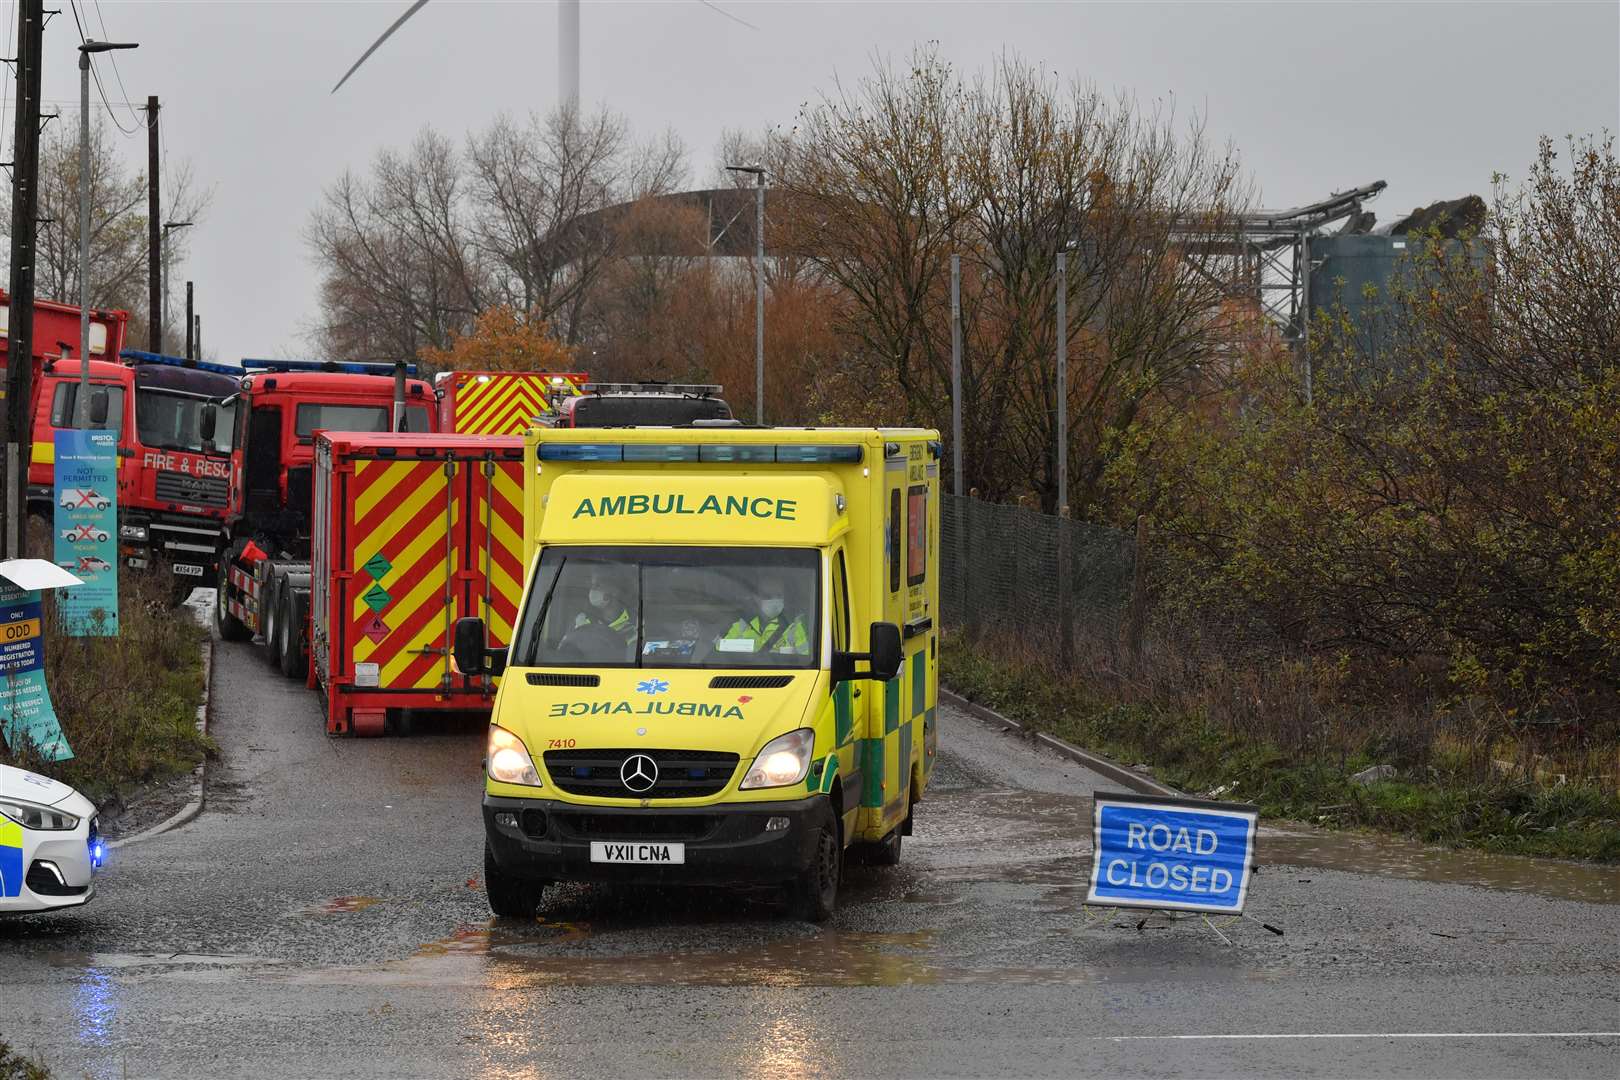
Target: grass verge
<point>1434,803</point>
<point>128,704</point>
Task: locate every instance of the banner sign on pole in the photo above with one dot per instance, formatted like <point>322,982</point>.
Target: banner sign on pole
<point>87,530</point>
<point>1171,854</point>
<point>26,713</point>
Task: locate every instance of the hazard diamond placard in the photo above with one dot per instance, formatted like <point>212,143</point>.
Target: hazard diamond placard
<point>375,629</point>
<point>377,598</point>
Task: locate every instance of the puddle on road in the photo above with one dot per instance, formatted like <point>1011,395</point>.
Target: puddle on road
<point>1387,857</point>
<point>342,905</point>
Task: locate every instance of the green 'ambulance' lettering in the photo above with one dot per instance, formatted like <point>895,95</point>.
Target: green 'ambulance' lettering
<point>664,505</point>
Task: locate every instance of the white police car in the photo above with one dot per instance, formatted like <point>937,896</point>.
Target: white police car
<point>50,845</point>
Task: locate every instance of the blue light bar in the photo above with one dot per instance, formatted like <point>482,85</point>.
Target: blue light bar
<point>744,453</point>
<point>581,452</point>
<point>343,367</point>
<point>660,452</point>
<point>796,455</point>
<point>138,357</point>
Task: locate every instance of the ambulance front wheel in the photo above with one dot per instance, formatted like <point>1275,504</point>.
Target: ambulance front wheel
<point>815,893</point>
<point>509,897</point>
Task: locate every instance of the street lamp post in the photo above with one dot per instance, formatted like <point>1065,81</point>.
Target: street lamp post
<point>83,410</point>
<point>758,173</point>
<point>164,284</point>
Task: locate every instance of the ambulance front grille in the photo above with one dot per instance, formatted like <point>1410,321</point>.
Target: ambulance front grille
<point>638,827</point>
<point>682,774</point>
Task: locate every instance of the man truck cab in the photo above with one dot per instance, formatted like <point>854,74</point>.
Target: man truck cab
<point>173,484</point>
<point>725,663</point>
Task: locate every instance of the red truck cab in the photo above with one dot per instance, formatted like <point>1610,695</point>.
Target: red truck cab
<point>173,486</point>
<point>280,407</point>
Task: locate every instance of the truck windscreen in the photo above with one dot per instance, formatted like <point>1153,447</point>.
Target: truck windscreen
<point>327,416</point>
<point>168,421</point>
<point>655,410</point>
<point>659,607</point>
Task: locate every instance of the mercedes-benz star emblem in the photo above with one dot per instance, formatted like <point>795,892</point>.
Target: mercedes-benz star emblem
<point>638,773</point>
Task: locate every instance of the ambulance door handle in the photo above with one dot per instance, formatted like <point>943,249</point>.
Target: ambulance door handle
<point>855,693</point>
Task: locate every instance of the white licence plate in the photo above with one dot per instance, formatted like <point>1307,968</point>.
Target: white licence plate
<point>187,569</point>
<point>665,854</point>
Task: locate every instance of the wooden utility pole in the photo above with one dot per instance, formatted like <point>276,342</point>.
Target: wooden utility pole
<point>20,319</point>
<point>154,233</point>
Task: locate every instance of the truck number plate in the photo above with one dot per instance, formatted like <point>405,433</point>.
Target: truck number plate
<point>666,854</point>
<point>187,569</point>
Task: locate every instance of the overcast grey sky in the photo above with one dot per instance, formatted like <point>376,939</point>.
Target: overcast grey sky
<point>1317,96</point>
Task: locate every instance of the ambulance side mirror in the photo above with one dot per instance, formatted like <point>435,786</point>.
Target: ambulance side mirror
<point>207,421</point>
<point>882,662</point>
<point>472,655</point>
<point>886,654</point>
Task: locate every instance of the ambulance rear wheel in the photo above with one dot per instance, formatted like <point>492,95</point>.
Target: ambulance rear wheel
<point>509,897</point>
<point>886,852</point>
<point>229,626</point>
<point>815,893</point>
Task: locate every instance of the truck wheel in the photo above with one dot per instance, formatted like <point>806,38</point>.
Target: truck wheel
<point>290,633</point>
<point>270,620</point>
<point>509,897</point>
<point>815,893</point>
<point>229,626</point>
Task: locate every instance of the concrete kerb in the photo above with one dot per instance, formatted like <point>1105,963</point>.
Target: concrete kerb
<point>1098,764</point>
<point>199,775</point>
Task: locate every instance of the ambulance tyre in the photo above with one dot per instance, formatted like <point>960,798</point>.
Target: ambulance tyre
<point>509,897</point>
<point>815,892</point>
<point>886,852</point>
<point>229,626</point>
<point>290,633</point>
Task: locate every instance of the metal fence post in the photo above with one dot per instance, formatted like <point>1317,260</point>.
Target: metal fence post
<point>1136,622</point>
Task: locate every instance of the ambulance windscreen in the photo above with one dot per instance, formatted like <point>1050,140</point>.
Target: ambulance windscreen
<point>659,607</point>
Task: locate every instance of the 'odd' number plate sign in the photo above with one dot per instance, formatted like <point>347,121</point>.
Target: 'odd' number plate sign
<point>1171,854</point>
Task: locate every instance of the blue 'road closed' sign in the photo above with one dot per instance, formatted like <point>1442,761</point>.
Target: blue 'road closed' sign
<point>1171,854</point>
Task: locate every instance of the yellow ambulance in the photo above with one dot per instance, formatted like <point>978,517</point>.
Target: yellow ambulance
<point>725,666</point>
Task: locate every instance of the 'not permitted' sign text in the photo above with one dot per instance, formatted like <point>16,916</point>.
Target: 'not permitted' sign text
<point>1171,854</point>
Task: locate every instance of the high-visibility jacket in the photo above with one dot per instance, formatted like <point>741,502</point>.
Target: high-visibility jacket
<point>619,622</point>
<point>772,635</point>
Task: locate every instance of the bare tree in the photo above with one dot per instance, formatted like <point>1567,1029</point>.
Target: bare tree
<point>118,232</point>
<point>411,253</point>
<point>890,179</point>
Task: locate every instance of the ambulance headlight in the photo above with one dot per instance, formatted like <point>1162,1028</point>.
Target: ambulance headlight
<point>783,761</point>
<point>43,818</point>
<point>507,760</point>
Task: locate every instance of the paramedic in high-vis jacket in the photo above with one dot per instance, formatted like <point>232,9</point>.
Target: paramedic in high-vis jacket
<point>772,627</point>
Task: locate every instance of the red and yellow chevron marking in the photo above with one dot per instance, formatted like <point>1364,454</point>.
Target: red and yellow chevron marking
<point>399,510</point>
<point>505,402</point>
<point>501,560</point>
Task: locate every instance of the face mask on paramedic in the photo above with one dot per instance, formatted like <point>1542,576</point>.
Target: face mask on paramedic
<point>770,605</point>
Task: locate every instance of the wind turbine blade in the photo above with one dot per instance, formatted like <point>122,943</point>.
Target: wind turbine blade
<point>717,9</point>
<point>375,45</point>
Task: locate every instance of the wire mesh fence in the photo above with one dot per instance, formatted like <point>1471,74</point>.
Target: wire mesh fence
<point>1047,580</point>
<point>1078,592</point>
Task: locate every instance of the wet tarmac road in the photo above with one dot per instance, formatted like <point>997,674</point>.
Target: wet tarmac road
<point>323,917</point>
